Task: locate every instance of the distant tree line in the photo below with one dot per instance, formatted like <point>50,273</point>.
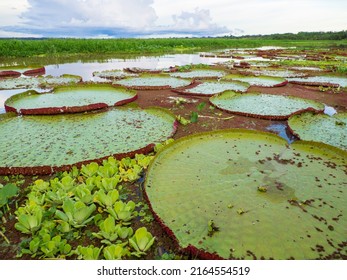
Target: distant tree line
<point>340,35</point>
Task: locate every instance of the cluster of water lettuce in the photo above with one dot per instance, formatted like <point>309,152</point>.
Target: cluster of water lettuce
<point>91,198</point>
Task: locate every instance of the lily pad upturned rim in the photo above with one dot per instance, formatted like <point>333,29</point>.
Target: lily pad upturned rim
<point>196,82</point>
<point>65,109</point>
<point>48,169</point>
<point>268,117</point>
<point>28,71</point>
<point>191,249</point>
<point>238,77</point>
<point>146,75</point>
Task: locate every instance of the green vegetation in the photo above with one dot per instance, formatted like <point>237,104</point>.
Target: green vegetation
<point>340,35</point>
<point>52,223</point>
<point>63,47</point>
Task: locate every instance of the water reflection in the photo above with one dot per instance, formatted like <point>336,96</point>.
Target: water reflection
<point>86,66</point>
<point>86,69</point>
<point>281,129</point>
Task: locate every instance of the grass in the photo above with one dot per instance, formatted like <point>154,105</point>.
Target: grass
<point>64,47</point>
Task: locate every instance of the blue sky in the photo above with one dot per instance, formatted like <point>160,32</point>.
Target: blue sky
<point>167,18</point>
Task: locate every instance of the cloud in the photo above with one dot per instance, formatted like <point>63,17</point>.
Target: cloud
<point>197,22</point>
<point>167,18</point>
<point>86,17</point>
<point>107,18</point>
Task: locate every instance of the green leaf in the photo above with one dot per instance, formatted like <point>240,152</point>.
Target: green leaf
<point>142,240</point>
<point>306,192</point>
<point>194,117</point>
<point>90,169</point>
<point>6,192</point>
<point>86,137</point>
<point>115,252</point>
<point>106,200</point>
<point>88,253</point>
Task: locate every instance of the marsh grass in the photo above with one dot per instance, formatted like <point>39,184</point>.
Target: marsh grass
<point>63,47</point>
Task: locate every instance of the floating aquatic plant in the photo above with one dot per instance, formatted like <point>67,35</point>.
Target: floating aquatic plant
<point>147,81</point>
<point>261,105</point>
<point>38,82</point>
<point>199,73</point>
<point>114,74</point>
<point>208,192</point>
<point>209,88</point>
<point>331,130</point>
<point>45,144</point>
<point>263,81</point>
<point>339,81</point>
<point>76,98</point>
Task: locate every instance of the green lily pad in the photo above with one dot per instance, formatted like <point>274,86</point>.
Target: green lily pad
<point>321,80</point>
<point>267,106</point>
<point>209,88</point>
<point>331,130</point>
<point>113,74</point>
<point>148,81</point>
<point>45,144</point>
<point>262,81</point>
<point>199,73</point>
<point>74,99</point>
<point>242,194</point>
<point>38,82</point>
<point>284,73</point>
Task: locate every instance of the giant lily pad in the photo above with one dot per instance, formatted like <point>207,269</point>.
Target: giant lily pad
<point>45,144</point>
<point>331,130</point>
<point>113,74</point>
<point>321,81</point>
<point>37,82</point>
<point>243,194</point>
<point>262,81</point>
<point>209,88</point>
<point>284,73</point>
<point>68,99</point>
<point>148,81</point>
<point>199,74</point>
<point>267,106</point>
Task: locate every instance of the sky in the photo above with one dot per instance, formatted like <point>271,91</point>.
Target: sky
<point>167,18</point>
